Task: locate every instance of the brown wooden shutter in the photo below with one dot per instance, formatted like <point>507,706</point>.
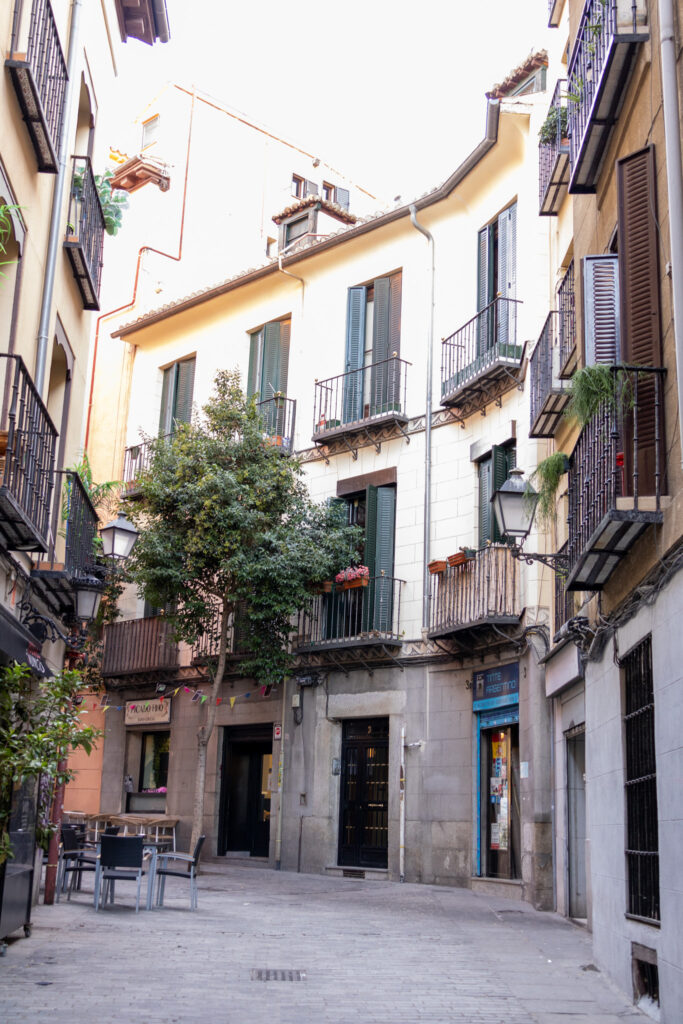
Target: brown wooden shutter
<point>640,307</point>
<point>601,327</point>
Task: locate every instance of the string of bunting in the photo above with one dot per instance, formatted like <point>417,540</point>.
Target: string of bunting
<point>197,697</point>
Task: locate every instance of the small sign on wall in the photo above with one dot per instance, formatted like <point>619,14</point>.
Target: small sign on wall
<point>148,712</point>
<point>277,733</point>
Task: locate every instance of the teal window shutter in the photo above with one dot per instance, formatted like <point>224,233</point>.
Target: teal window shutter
<point>379,556</point>
<point>485,286</point>
<point>182,412</point>
<point>370,551</point>
<point>270,368</point>
<point>485,509</point>
<point>253,374</point>
<point>167,391</point>
<point>386,340</point>
<point>355,348</point>
<point>507,270</point>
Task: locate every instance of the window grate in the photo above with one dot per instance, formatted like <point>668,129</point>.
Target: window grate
<point>274,974</point>
<point>642,849</point>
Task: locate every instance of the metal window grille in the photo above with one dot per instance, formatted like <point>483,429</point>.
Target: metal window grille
<point>567,311</point>
<point>642,841</point>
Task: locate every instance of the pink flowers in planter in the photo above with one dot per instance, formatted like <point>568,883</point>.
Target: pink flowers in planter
<point>357,572</point>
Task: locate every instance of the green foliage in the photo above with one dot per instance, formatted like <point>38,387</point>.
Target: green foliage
<point>557,116</point>
<point>103,497</point>
<point>5,233</point>
<point>594,386</point>
<point>225,519</point>
<point>39,724</point>
<point>546,478</point>
<point>112,201</point>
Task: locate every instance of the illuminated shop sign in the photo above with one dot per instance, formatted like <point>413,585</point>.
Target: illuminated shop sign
<point>495,687</point>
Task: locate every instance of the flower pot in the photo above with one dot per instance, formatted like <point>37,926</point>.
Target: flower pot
<point>436,566</point>
<point>362,581</point>
<point>459,558</point>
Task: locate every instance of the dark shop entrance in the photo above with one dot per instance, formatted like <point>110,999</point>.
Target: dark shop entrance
<point>244,826</point>
<point>364,803</point>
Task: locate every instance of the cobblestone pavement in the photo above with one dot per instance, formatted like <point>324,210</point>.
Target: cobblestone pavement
<point>369,953</point>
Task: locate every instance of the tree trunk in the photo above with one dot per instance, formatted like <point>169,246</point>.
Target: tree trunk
<point>205,731</point>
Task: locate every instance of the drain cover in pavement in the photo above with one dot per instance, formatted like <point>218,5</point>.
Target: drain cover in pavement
<point>268,974</point>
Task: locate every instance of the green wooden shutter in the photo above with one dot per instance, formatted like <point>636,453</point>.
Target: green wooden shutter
<point>270,372</point>
<point>394,368</point>
<point>355,348</point>
<point>380,516</point>
<point>485,509</point>
<point>253,373</point>
<point>484,287</point>
<point>369,553</point>
<point>182,406</point>
<point>381,345</point>
<point>601,323</point>
<point>167,392</point>
<point>502,461</point>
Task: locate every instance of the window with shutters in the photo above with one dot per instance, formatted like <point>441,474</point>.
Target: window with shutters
<point>642,836</point>
<point>493,472</point>
<point>295,229</point>
<point>302,187</point>
<point>176,395</point>
<point>497,279</point>
<point>269,360</point>
<point>336,194</point>
<point>372,384</point>
<point>601,316</point>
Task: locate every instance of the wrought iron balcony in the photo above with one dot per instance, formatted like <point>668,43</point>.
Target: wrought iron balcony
<point>615,477</point>
<point>549,395</point>
<point>206,647</point>
<point>136,461</point>
<point>279,416</point>
<point>139,647</point>
<point>476,601</point>
<point>606,46</point>
<point>38,70</point>
<point>482,359</point>
<point>366,613</point>
<point>84,239</point>
<point>567,326</point>
<point>565,602</point>
<point>359,400</point>
<point>71,554</point>
<point>27,458</point>
<point>553,155</point>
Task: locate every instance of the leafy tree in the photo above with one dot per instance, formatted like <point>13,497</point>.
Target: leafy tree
<point>39,723</point>
<point>227,526</point>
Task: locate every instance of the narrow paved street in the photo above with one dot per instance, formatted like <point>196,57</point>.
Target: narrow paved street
<point>367,953</point>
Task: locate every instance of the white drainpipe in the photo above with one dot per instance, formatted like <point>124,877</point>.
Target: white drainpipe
<point>402,809</point>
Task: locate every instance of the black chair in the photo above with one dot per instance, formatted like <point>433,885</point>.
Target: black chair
<point>121,859</point>
<point>190,862</point>
<point>72,861</point>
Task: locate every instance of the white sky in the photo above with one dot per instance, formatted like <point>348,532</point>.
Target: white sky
<point>390,93</point>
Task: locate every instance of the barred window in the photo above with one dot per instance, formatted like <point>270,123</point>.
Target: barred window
<point>642,841</point>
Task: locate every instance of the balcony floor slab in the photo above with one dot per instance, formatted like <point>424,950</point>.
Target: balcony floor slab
<point>358,426</point>
<point>610,541</point>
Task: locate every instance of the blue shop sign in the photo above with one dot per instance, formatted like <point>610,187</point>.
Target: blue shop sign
<point>495,687</point>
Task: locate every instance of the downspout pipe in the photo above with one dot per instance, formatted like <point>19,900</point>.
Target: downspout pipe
<point>281,781</point>
<point>402,809</point>
<point>428,429</point>
<point>674,181</point>
<point>57,202</point>
<point>290,274</point>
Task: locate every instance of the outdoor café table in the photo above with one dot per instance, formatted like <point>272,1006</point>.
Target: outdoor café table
<point>139,824</point>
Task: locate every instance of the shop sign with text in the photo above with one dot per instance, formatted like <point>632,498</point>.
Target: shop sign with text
<point>148,712</point>
<point>496,687</point>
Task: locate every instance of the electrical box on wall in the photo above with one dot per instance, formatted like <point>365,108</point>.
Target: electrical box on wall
<point>336,766</point>
<point>296,700</point>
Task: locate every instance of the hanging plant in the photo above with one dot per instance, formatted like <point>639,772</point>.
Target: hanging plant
<point>546,478</point>
<point>6,212</point>
<point>595,386</point>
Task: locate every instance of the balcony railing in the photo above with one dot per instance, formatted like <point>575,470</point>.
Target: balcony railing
<point>565,602</point>
<point>549,396</point>
<point>480,354</point>
<point>553,155</point>
<point>359,399</point>
<point>84,239</point>
<point>615,477</point>
<point>38,69</point>
<point>355,617</point>
<point>136,461</point>
<point>481,592</point>
<point>138,646</point>
<point>605,49</point>
<point>207,644</point>
<point>71,554</point>
<point>279,417</point>
<point>567,310</point>
<point>27,457</point>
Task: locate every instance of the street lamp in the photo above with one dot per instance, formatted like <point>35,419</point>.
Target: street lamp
<point>88,596</point>
<point>514,505</point>
<point>118,537</point>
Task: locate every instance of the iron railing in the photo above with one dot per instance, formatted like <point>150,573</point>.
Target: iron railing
<point>279,416</point>
<point>546,389</point>
<point>548,151</point>
<point>72,545</point>
<point>488,338</point>
<point>206,646</point>
<point>85,230</point>
<point>598,26</point>
<point>138,645</point>
<point>45,59</point>
<point>622,442</point>
<point>27,452</point>
<point>482,589</point>
<point>356,398</point>
<point>567,310</point>
<point>565,607</point>
<point>136,461</point>
<point>346,616</point>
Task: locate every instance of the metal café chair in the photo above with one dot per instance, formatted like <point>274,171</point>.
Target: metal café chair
<point>189,871</point>
<point>72,861</point>
<point>121,859</point>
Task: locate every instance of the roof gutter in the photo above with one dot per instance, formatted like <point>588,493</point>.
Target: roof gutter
<point>436,196</point>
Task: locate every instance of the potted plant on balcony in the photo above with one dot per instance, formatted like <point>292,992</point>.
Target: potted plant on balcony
<point>547,477</point>
<point>556,124</point>
<point>594,386</point>
<point>436,566</point>
<point>353,576</point>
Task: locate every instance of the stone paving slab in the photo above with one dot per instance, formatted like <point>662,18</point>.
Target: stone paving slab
<point>370,952</point>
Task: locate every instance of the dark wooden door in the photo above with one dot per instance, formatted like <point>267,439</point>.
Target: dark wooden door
<point>245,797</point>
<point>364,804</point>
